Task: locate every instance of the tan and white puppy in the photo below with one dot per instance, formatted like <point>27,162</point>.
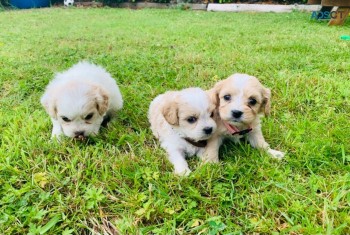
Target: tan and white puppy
<point>183,122</point>
<point>80,100</point>
<point>241,101</point>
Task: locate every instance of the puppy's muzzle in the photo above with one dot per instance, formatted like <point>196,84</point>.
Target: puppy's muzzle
<point>79,134</point>
<point>236,114</point>
<point>208,130</point>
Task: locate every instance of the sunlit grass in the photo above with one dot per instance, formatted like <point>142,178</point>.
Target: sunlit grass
<point>121,180</point>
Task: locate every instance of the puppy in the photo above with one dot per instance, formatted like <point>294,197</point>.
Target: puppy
<point>80,99</point>
<point>241,100</point>
<point>183,122</point>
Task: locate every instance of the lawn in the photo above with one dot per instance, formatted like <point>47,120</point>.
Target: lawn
<point>121,181</point>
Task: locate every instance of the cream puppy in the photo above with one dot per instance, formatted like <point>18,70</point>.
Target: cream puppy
<point>241,101</point>
<point>80,99</point>
<point>183,122</point>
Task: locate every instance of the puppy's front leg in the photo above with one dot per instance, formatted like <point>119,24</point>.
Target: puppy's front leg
<point>179,162</point>
<point>256,140</point>
<point>56,129</point>
<point>211,151</point>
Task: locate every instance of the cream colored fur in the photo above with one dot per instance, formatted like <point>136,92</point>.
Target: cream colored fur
<point>169,116</point>
<point>242,90</point>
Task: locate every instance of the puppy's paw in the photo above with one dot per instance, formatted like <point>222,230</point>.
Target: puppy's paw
<point>276,154</point>
<point>182,171</point>
<point>56,132</point>
<point>56,137</point>
<point>210,159</point>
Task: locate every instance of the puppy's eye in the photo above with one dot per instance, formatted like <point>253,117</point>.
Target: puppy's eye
<point>191,119</point>
<point>65,119</point>
<point>252,101</point>
<point>89,116</point>
<point>212,114</point>
<point>227,97</point>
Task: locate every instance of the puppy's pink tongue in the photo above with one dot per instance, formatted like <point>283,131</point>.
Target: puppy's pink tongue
<point>230,128</point>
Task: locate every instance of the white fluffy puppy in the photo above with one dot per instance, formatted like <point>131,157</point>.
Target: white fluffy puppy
<point>241,100</point>
<point>80,99</point>
<point>183,122</point>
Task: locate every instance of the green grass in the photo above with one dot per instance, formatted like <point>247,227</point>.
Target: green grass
<point>121,179</point>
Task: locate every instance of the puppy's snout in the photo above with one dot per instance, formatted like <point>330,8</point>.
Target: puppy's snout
<point>208,130</point>
<point>236,113</point>
<point>79,133</point>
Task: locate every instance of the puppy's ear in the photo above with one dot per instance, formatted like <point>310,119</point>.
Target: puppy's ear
<point>266,104</point>
<point>214,97</point>
<point>170,113</point>
<point>214,93</point>
<point>49,105</point>
<point>102,100</point>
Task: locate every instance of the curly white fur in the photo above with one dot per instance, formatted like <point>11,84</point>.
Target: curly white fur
<point>79,99</point>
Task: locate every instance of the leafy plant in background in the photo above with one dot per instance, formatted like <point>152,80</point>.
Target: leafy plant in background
<point>226,1</point>
<point>112,2</point>
<point>161,1</point>
<point>3,3</point>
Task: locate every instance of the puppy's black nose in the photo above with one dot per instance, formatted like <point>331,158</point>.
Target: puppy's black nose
<point>79,133</point>
<point>208,130</point>
<point>237,113</point>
